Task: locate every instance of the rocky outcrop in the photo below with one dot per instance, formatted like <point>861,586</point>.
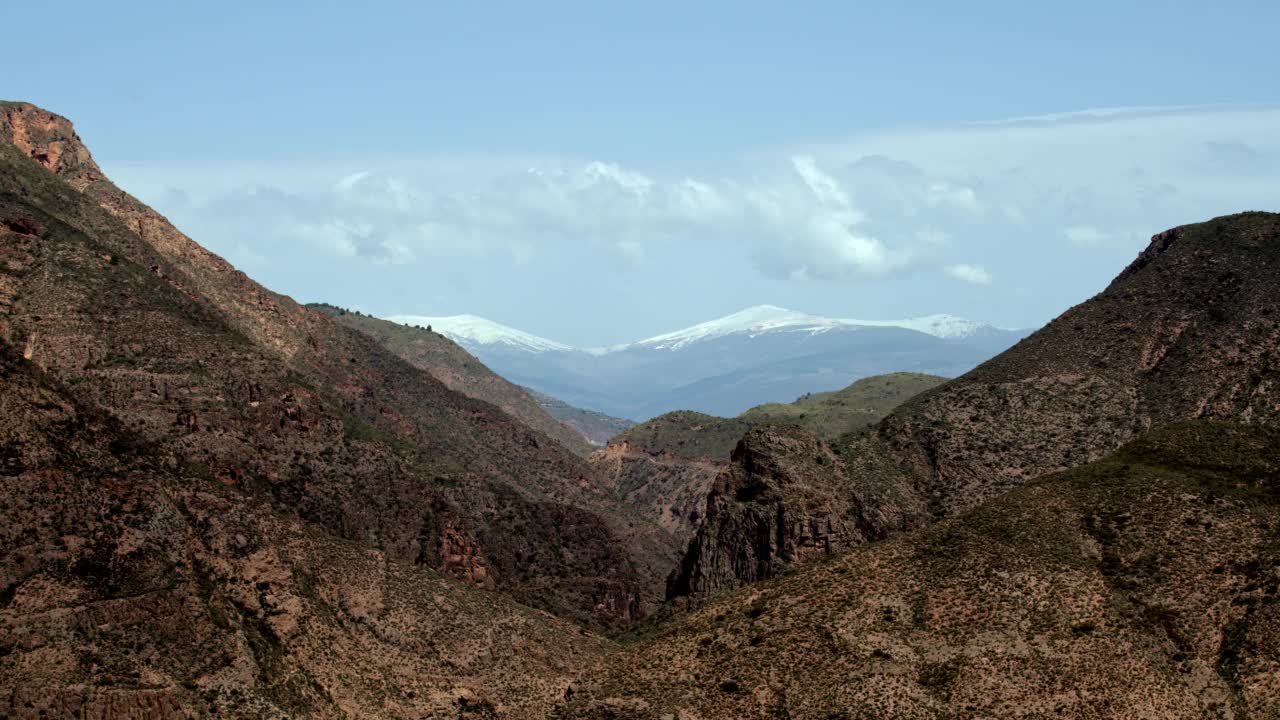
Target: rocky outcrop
<point>49,140</point>
<point>781,502</point>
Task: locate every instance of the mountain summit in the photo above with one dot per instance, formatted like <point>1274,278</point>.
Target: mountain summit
<point>762,354</point>
<point>761,319</point>
<point>476,332</point>
<point>472,331</point>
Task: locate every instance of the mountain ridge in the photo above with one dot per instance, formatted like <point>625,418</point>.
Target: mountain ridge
<point>479,331</point>
<point>725,366</point>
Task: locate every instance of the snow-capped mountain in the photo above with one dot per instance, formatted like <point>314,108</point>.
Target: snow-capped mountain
<point>723,366</point>
<point>471,332</point>
<point>770,318</point>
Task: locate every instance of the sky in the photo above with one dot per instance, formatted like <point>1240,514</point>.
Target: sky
<point>598,173</point>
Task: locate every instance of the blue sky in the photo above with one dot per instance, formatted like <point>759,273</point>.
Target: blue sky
<point>595,174</point>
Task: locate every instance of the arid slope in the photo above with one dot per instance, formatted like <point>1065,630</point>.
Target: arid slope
<point>130,589</point>
<point>1144,585</point>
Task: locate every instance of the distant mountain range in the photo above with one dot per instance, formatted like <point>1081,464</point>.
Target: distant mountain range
<point>725,366</point>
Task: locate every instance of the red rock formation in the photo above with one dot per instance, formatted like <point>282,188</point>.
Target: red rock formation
<point>778,504</point>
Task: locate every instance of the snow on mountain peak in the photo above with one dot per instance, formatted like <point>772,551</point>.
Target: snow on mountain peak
<point>475,330</point>
<point>941,326</point>
<point>472,331</point>
<point>752,321</point>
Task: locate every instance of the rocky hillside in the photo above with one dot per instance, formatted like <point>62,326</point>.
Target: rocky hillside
<point>1190,330</point>
<point>131,588</point>
<point>459,370</point>
<point>1142,585</point>
<point>232,384</point>
<point>686,434</point>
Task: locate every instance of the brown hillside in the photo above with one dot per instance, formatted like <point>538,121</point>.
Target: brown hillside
<point>1191,330</point>
<point>1140,586</point>
<point>131,589</point>
<point>235,383</point>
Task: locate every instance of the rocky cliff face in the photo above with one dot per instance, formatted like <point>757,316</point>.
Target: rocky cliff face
<point>776,505</point>
<point>239,386</point>
<point>1189,331</point>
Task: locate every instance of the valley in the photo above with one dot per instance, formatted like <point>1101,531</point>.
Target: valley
<point>216,501</point>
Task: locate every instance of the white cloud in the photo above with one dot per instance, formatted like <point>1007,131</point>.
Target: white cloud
<point>350,181</point>
<point>825,188</point>
<point>975,274</point>
<point>933,237</point>
<point>335,236</point>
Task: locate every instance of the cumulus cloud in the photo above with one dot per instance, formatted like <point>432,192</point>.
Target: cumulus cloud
<point>812,230</point>
<point>974,274</point>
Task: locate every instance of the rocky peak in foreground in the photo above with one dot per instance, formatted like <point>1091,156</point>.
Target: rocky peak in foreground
<point>50,141</point>
<point>1191,330</point>
<point>666,466</point>
<point>777,505</point>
